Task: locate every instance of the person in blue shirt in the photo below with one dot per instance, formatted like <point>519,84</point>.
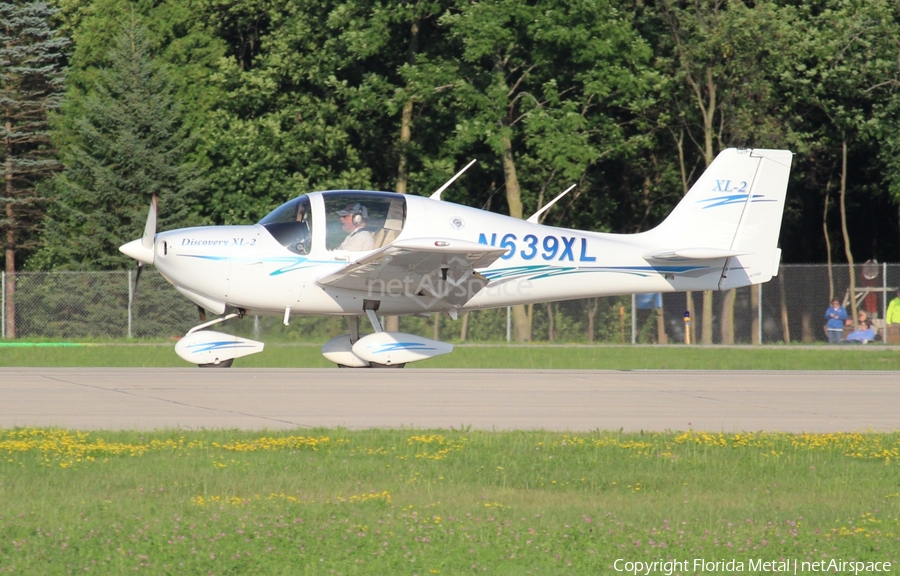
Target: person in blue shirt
<point>835,316</point>
<point>865,333</point>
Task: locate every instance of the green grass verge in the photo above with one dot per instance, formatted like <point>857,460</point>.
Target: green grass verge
<point>533,356</point>
<point>441,502</point>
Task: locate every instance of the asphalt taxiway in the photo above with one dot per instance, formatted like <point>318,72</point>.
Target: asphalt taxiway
<point>574,400</point>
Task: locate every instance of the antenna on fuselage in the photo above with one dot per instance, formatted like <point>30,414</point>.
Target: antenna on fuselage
<point>534,217</point>
<point>437,193</point>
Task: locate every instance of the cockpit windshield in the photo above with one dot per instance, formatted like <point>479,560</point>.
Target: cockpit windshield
<point>291,224</point>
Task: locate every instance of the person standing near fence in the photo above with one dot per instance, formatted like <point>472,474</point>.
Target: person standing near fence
<point>834,325</point>
<point>892,316</point>
<point>892,321</point>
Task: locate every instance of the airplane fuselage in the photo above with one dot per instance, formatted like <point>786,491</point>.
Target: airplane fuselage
<point>245,267</point>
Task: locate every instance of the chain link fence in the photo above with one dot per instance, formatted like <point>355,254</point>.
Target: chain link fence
<point>790,308</point>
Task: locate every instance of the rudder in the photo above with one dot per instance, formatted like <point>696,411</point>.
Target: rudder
<point>760,225</point>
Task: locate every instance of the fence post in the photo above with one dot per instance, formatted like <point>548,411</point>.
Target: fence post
<point>3,305</point>
<point>508,323</point>
<point>130,298</point>
<point>759,316</point>
<point>633,318</point>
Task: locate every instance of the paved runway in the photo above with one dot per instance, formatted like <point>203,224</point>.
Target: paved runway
<point>191,398</point>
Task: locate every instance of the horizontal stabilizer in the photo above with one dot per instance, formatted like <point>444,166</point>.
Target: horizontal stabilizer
<point>686,254</point>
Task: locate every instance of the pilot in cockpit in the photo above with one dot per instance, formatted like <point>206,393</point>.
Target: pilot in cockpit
<point>353,221</point>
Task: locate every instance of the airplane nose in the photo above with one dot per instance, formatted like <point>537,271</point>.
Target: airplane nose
<point>136,249</point>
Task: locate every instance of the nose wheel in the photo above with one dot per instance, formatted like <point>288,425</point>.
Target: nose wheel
<point>374,365</point>
<point>222,364</point>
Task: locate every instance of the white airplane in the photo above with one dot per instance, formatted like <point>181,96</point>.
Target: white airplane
<point>360,253</point>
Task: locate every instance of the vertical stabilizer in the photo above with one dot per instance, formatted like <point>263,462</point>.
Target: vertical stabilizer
<point>732,214</point>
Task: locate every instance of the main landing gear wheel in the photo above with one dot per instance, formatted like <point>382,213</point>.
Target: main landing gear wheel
<point>222,364</point>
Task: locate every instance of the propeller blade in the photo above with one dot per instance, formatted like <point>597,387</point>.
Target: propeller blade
<point>142,248</point>
<point>137,278</point>
<point>150,227</point>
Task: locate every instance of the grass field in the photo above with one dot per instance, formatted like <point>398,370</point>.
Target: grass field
<point>452,501</point>
<point>485,356</point>
<point>443,502</point>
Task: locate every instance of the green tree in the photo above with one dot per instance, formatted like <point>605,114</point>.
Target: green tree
<point>393,59</point>
<point>887,111</point>
<point>129,143</point>
<point>549,88</point>
<point>318,102</point>
<point>720,91</point>
<point>280,127</point>
<point>31,78</point>
<point>843,78</point>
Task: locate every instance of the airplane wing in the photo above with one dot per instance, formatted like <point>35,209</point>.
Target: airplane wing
<point>429,270</point>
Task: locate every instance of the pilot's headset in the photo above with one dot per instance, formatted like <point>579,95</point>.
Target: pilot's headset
<point>359,214</point>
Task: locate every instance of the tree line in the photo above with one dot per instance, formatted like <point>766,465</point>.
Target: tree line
<point>226,109</point>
